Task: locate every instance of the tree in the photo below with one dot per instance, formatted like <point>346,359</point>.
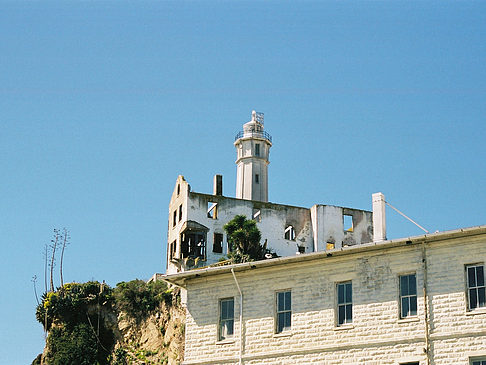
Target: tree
<point>244,238</point>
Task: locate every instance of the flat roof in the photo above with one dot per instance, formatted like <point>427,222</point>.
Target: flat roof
<point>179,279</point>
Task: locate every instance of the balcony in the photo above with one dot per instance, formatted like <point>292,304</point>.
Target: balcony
<point>256,134</point>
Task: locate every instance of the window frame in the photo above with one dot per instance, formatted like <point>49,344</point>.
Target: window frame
<point>344,304</point>
<point>283,312</point>
<point>476,287</point>
<point>222,321</point>
<point>407,296</point>
<point>477,360</point>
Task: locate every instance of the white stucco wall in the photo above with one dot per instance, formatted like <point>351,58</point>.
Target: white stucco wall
<point>377,334</point>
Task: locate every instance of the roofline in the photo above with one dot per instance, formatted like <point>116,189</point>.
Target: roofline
<point>209,196</point>
<point>179,279</point>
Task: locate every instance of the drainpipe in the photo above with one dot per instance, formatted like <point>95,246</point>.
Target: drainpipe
<point>241,317</point>
<point>426,307</point>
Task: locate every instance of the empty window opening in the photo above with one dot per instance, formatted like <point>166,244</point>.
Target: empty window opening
<point>257,178</point>
<point>289,233</point>
<point>348,223</point>
<point>408,296</point>
<point>212,210</point>
<point>284,311</point>
<point>257,215</point>
<point>476,290</point>
<point>180,212</point>
<point>301,249</point>
<point>172,250</point>
<point>193,245</point>
<point>344,303</point>
<point>178,189</point>
<point>218,243</point>
<point>226,318</point>
<point>257,149</point>
<point>174,218</point>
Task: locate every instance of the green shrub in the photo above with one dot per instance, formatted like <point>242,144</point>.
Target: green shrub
<point>138,298</point>
<point>76,345</point>
<point>70,303</point>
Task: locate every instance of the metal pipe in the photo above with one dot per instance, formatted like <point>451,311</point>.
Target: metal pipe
<point>241,318</point>
<point>426,307</point>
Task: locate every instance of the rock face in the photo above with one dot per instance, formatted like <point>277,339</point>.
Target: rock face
<point>142,337</point>
<point>157,339</point>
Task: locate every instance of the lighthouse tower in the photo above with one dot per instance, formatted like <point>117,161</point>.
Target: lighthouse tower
<point>252,150</point>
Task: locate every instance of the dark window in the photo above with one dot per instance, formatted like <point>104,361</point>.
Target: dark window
<point>218,243</point>
<point>408,296</point>
<point>257,178</point>
<point>344,303</point>
<point>289,233</point>
<point>479,362</point>
<point>257,150</point>
<point>174,218</point>
<point>193,245</point>
<point>301,249</point>
<point>180,212</point>
<point>178,189</point>
<point>475,286</point>
<point>284,311</point>
<point>226,318</point>
<point>172,250</point>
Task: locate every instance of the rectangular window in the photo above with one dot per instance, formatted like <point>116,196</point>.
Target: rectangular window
<point>348,223</point>
<point>174,218</point>
<point>212,210</point>
<point>408,295</point>
<point>475,286</point>
<point>478,361</point>
<point>218,243</point>
<point>284,311</point>
<point>257,215</point>
<point>180,212</point>
<point>226,318</point>
<point>257,178</point>
<point>344,303</point>
<point>257,150</point>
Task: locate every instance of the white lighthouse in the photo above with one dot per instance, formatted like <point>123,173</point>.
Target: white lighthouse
<point>252,150</point>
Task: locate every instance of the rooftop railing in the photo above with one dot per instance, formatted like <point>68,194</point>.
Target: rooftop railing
<point>258,134</point>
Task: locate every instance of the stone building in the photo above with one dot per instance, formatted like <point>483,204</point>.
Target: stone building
<point>195,231</point>
<point>340,292</point>
<point>418,300</point>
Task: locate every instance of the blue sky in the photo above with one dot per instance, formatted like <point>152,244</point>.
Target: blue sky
<point>103,104</point>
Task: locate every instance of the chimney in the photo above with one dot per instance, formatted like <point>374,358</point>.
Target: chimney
<point>218,185</point>
<point>379,219</point>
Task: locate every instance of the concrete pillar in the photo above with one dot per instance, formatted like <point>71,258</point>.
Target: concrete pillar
<point>379,217</point>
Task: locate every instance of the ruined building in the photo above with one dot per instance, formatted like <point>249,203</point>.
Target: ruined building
<point>340,293</point>
<point>196,236</point>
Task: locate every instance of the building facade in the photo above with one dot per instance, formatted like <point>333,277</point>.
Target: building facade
<point>418,300</point>
<point>339,292</point>
<point>196,237</point>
